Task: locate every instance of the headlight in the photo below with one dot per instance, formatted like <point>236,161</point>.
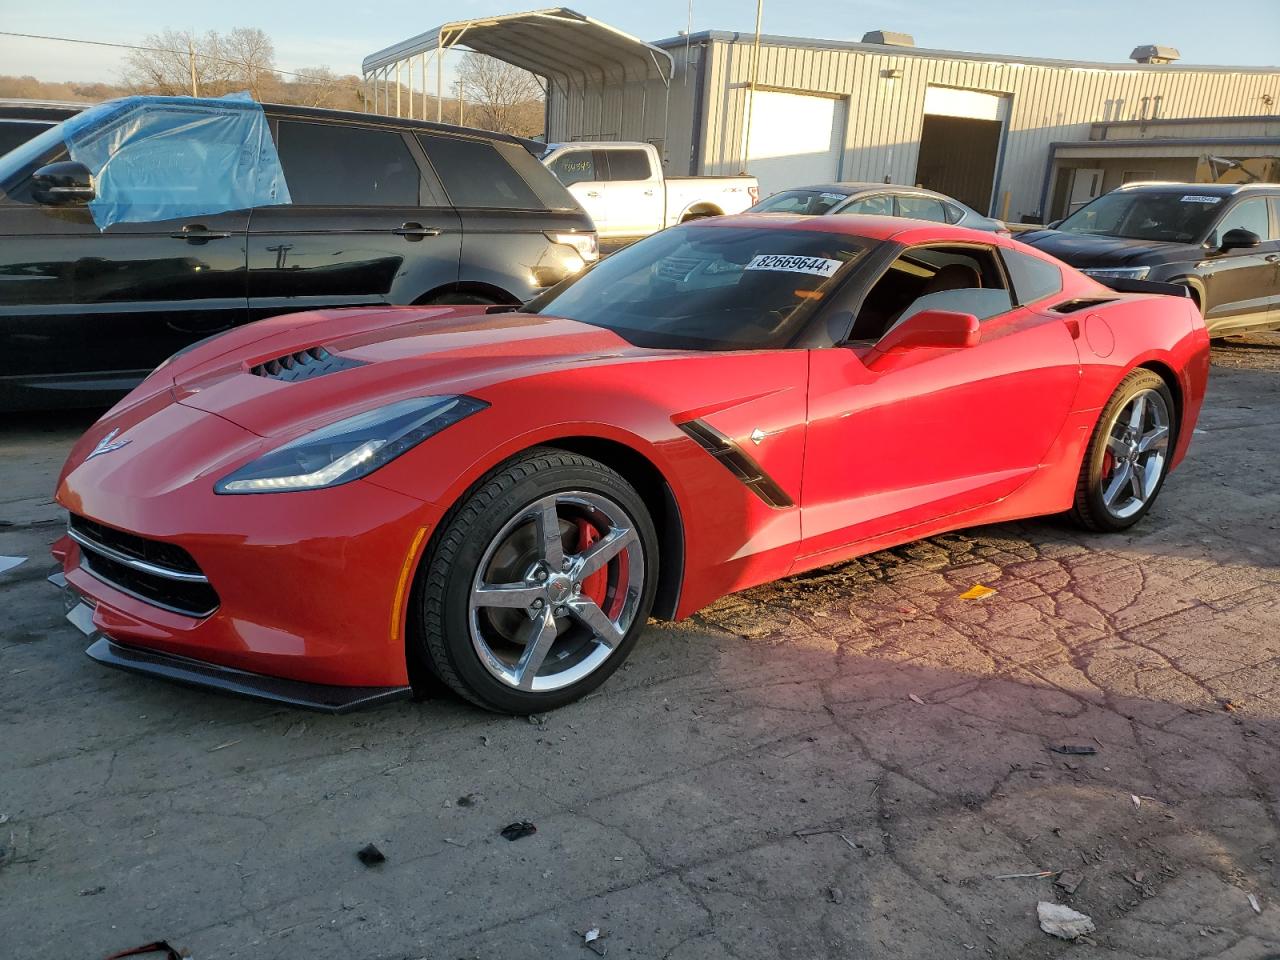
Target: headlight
<point>1120,273</point>
<point>351,448</point>
<point>586,244</point>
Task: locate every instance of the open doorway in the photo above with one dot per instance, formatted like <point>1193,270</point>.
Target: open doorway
<point>960,140</point>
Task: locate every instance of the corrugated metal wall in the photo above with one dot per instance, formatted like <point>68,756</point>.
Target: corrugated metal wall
<point>1047,103</point>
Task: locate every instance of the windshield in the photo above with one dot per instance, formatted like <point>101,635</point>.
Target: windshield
<point>708,287</point>
<point>814,202</point>
<point>1183,216</point>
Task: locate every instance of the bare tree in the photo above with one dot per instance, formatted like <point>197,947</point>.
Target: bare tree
<point>252,58</point>
<point>502,96</point>
<point>173,61</point>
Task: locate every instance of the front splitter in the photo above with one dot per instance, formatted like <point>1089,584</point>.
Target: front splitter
<point>326,698</point>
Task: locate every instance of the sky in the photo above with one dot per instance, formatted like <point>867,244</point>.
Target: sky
<point>337,34</point>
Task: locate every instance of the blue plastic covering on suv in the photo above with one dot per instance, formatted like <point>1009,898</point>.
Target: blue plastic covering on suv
<point>161,158</point>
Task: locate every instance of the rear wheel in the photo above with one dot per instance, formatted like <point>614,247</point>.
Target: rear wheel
<point>538,585</point>
<point>1128,456</point>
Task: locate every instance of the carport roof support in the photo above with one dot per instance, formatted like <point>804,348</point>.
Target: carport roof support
<point>557,42</point>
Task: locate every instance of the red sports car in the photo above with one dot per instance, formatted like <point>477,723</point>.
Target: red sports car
<point>310,508</point>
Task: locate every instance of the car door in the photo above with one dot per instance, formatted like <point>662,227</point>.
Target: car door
<point>901,438</point>
<point>582,171</point>
<point>87,312</point>
<point>1240,284</point>
<point>367,224</point>
<point>633,192</point>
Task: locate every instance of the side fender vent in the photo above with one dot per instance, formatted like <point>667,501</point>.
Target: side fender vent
<point>738,462</point>
<point>303,365</point>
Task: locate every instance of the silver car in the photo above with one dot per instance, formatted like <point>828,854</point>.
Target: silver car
<point>878,199</point>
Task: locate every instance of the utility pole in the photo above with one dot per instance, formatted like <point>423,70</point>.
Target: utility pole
<point>191,63</point>
<point>755,75</point>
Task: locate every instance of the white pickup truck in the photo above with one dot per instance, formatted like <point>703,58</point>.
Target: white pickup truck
<point>622,187</point>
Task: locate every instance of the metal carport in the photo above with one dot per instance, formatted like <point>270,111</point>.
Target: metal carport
<point>568,49</point>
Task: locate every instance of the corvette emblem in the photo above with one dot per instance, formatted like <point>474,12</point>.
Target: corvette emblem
<point>107,444</point>
<point>757,436</point>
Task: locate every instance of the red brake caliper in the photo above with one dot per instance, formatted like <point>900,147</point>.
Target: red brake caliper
<point>594,586</point>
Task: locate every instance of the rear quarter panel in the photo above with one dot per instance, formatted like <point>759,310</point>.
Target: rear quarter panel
<point>1164,333</point>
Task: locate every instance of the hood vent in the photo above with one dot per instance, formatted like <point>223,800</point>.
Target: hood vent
<point>303,365</point>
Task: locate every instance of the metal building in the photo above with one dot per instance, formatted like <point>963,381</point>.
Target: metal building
<point>981,127</point>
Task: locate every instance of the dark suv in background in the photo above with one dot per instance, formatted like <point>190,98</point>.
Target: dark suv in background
<point>382,211</point>
<point>1221,241</point>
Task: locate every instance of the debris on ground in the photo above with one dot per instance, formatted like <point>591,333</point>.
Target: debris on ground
<point>835,895</point>
<point>1061,921</point>
<point>914,699</point>
<point>593,940</point>
<point>1137,800</point>
<point>223,746</point>
<point>1039,875</point>
<point>977,592</point>
<point>1253,902</point>
<point>1075,749</point>
<point>8,563</point>
<point>517,830</point>
<point>159,946</point>
<point>1068,881</point>
<point>92,891</point>
<point>469,799</point>
<point>535,720</point>
<point>370,855</point>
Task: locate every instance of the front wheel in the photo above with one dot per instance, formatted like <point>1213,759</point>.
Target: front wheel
<point>539,583</point>
<point>1128,456</point>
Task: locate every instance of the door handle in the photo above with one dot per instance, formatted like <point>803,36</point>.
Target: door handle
<point>1273,258</point>
<point>593,193</point>
<point>416,231</point>
<point>648,193</point>
<point>199,233</point>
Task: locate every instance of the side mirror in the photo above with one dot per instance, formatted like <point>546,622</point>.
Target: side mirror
<point>62,184</point>
<point>932,328</point>
<point>1239,239</point>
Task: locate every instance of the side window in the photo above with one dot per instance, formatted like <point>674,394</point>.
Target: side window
<point>1033,279</point>
<point>953,213</point>
<point>576,166</point>
<point>343,166</point>
<point>960,279</point>
<point>1250,215</point>
<point>474,174</point>
<point>921,208</point>
<point>628,165</point>
<point>881,206</point>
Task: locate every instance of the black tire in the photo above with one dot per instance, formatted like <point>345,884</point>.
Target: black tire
<point>441,606</point>
<point>1090,510</point>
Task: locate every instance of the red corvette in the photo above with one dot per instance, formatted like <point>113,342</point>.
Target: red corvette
<point>310,508</point>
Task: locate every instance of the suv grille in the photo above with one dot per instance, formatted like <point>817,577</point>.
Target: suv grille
<point>160,573</point>
<point>303,365</point>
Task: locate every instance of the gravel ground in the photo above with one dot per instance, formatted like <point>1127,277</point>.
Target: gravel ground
<point>840,765</point>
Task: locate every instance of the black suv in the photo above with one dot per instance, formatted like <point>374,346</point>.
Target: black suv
<point>1221,241</point>
<point>382,211</point>
<point>20,120</point>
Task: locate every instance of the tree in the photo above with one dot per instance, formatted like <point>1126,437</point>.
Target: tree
<point>252,56</point>
<point>244,59</point>
<point>501,96</point>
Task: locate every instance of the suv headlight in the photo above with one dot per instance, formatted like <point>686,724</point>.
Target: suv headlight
<point>1119,273</point>
<point>349,449</point>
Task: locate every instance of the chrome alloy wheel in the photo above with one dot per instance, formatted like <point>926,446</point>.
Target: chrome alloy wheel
<point>1137,453</point>
<point>556,591</point>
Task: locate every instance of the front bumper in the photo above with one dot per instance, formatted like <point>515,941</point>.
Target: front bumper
<point>327,698</point>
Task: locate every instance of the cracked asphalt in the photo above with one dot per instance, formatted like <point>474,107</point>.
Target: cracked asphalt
<point>839,765</point>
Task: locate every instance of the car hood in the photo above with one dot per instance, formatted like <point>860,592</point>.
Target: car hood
<point>319,367</point>
<point>1090,250</point>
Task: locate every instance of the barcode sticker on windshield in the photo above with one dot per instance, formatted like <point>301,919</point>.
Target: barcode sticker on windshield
<point>818,266</point>
<point>1196,198</point>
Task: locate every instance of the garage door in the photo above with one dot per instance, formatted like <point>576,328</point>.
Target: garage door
<point>796,139</point>
<point>960,143</point>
